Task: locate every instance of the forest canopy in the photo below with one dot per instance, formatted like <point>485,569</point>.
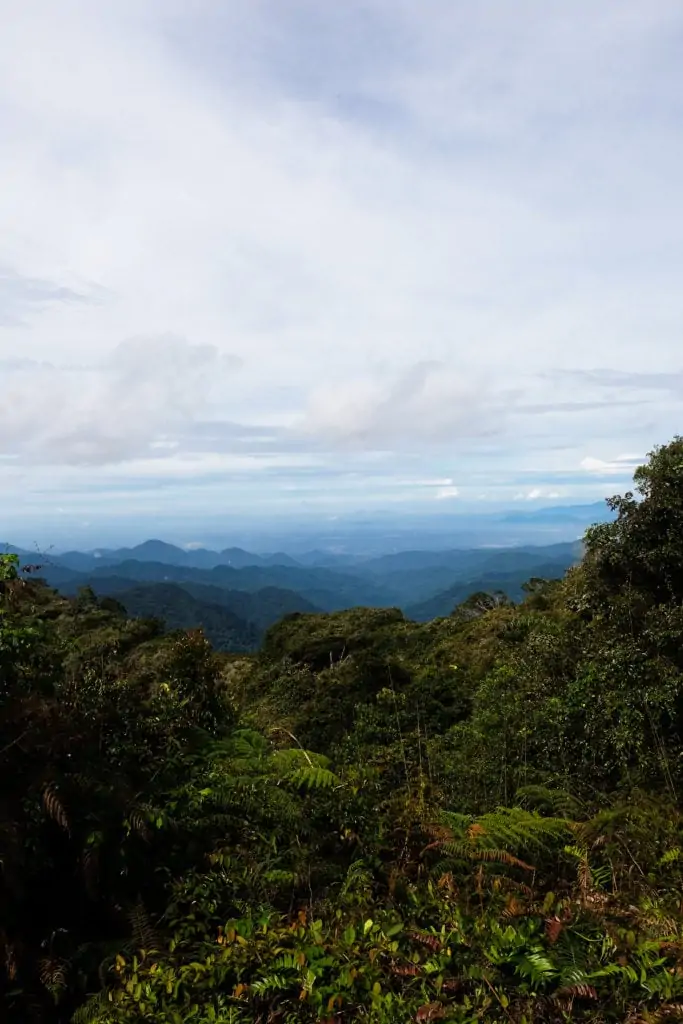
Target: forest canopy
<point>372,819</point>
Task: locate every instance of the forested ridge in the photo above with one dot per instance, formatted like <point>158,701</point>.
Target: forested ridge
<point>235,602</point>
<point>372,819</point>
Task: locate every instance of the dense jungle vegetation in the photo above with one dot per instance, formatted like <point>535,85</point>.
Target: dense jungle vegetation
<point>471,819</point>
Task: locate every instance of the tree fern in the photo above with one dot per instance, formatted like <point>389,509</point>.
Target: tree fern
<point>510,830</point>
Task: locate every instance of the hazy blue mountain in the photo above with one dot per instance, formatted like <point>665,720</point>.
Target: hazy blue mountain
<point>152,551</point>
<point>162,553</point>
<point>415,576</point>
<point>509,582</point>
<point>324,588</point>
<point>58,575</point>
<point>329,559</point>
<point>411,561</point>
<point>80,561</point>
<point>149,551</point>
<point>238,558</point>
<point>260,589</point>
<point>279,558</point>
<point>24,554</point>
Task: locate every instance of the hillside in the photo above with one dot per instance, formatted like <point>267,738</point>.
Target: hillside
<point>173,602</point>
<point>179,609</point>
<point>322,587</point>
<point>510,583</point>
<point>262,608</point>
<point>233,620</point>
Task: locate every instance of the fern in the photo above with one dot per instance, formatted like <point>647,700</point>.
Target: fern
<point>270,983</point>
<point>488,854</point>
<point>314,777</point>
<point>54,807</point>
<point>137,822</point>
<point>144,934</point>
<point>559,802</point>
<point>53,975</point>
<point>578,990</point>
<point>500,836</point>
<point>537,967</point>
<point>669,1012</point>
<point>96,1009</point>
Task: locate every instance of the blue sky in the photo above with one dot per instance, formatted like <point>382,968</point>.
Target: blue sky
<point>271,255</point>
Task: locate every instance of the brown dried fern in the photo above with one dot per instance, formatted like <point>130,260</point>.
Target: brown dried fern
<point>54,807</point>
<point>52,973</point>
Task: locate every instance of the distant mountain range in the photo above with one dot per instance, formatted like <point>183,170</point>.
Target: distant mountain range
<point>168,554</point>
<point>235,595</point>
<point>509,582</point>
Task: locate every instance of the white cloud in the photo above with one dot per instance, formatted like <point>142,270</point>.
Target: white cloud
<point>536,494</point>
<point>112,411</point>
<point>426,403</point>
<point>619,466</point>
<point>444,493</point>
<point>399,220</point>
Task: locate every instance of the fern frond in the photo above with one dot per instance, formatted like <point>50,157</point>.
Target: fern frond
<point>523,829</point>
<point>514,908</point>
<point>314,777</point>
<point>289,758</point>
<point>560,802</point>
<point>509,827</point>
<point>97,1008</point>
<point>143,933</point>
<point>54,807</point>
<point>138,824</point>
<point>244,743</point>
<point>52,973</point>
<point>514,886</point>
<point>467,852</point>
<point>668,1012</point>
<point>579,991</point>
<point>270,983</point>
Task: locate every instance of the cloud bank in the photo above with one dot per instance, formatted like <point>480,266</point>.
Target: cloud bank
<point>292,252</point>
<point>138,401</point>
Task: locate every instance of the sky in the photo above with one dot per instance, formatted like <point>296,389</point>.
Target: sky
<point>283,257</point>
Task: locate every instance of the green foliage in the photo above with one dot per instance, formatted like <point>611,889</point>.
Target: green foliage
<point>475,819</point>
<point>180,610</point>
